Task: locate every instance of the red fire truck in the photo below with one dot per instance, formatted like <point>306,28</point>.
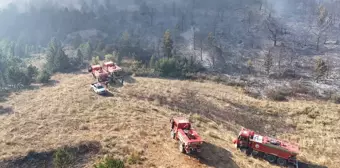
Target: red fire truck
<point>188,138</point>
<point>111,67</point>
<point>275,151</point>
<point>98,73</point>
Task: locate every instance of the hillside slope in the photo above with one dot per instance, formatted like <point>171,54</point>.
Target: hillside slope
<point>136,120</point>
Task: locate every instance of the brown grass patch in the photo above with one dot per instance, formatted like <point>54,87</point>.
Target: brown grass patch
<point>135,158</point>
<point>66,156</point>
<point>213,134</point>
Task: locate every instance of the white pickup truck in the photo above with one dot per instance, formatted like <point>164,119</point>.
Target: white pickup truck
<point>98,88</point>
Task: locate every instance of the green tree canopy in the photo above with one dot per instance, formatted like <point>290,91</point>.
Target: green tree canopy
<point>321,69</point>
<point>57,60</point>
<point>86,50</point>
<point>167,44</point>
<point>79,57</point>
<point>76,41</point>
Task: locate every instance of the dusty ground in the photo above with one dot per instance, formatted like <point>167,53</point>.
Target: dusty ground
<point>135,119</point>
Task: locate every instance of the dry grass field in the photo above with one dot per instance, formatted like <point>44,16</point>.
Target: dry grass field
<point>134,121</point>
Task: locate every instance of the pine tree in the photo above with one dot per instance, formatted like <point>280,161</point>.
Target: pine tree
<point>61,61</point>
<point>19,50</point>
<point>125,44</point>
<point>211,40</point>
<point>27,52</point>
<point>2,81</point>
<point>320,69</point>
<point>57,60</point>
<point>79,58</point>
<point>44,76</point>
<point>95,60</point>
<point>118,57</point>
<point>268,62</point>
<point>176,35</point>
<point>51,54</point>
<point>250,66</point>
<point>32,73</point>
<point>126,38</point>
<point>109,57</point>
<point>212,48</point>
<point>167,44</point>
<point>76,41</point>
<point>152,61</point>
<point>100,46</point>
<point>65,61</point>
<point>17,76</point>
<point>11,48</point>
<point>86,50</point>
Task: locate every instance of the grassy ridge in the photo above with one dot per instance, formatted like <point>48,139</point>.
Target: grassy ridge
<point>135,120</point>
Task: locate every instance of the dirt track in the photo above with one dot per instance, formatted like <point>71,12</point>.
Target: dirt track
<point>135,119</point>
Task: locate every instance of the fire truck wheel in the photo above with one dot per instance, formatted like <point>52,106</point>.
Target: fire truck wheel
<point>243,150</point>
<point>255,153</point>
<point>260,154</point>
<point>291,166</point>
<point>236,146</point>
<point>271,158</point>
<point>172,134</point>
<point>181,147</point>
<point>281,162</point>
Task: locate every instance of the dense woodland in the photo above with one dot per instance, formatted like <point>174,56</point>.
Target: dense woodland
<point>229,36</point>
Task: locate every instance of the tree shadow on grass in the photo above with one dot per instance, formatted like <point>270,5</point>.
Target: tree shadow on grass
<point>116,84</point>
<point>119,81</point>
<point>262,123</point>
<point>81,153</point>
<point>108,94</point>
<point>4,95</point>
<point>215,156</point>
<point>310,165</point>
<point>232,116</point>
<point>5,110</point>
<point>80,72</point>
<point>51,83</point>
<point>129,79</point>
